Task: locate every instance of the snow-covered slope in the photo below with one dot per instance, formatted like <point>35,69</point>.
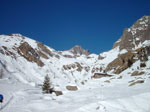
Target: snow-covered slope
<point>25,62</point>
<point>98,95</point>
<point>135,35</point>
<point>29,61</point>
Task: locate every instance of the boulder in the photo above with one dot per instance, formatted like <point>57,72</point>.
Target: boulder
<point>100,75</point>
<point>136,73</point>
<point>72,88</point>
<point>108,81</point>
<point>58,93</point>
<point>136,82</point>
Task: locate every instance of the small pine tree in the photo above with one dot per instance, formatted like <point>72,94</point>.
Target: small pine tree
<point>46,84</point>
<point>1,73</point>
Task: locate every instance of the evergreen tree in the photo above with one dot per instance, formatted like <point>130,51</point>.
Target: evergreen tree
<point>46,84</point>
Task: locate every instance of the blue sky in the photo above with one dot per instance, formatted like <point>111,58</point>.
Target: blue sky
<point>61,24</point>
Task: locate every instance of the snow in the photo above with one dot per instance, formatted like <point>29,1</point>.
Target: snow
<point>137,39</point>
<point>123,51</point>
<point>109,56</point>
<point>22,91</point>
<point>67,53</point>
<point>126,104</point>
<point>133,31</point>
<point>118,41</point>
<point>129,29</point>
<point>94,96</point>
<point>142,22</point>
<point>144,44</point>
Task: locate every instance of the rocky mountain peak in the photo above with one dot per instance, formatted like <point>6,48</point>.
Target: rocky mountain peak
<point>142,23</point>
<point>16,34</point>
<point>135,35</point>
<point>78,50</point>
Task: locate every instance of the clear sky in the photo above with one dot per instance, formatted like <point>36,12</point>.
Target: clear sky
<point>61,24</point>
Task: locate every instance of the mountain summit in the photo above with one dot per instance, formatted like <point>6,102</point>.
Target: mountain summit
<point>135,35</point>
<point>29,61</point>
<point>78,50</point>
<point>123,72</point>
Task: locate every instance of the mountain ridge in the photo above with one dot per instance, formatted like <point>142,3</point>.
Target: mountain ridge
<point>138,32</point>
<point>33,60</point>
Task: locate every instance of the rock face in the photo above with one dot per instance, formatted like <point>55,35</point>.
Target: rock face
<point>100,57</point>
<point>78,50</point>
<point>44,49</point>
<point>121,63</point>
<point>136,34</point>
<point>7,52</point>
<point>74,66</point>
<point>132,41</point>
<point>29,53</point>
<point>124,61</point>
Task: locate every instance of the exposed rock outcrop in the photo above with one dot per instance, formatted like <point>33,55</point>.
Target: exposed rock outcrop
<point>136,34</point>
<point>131,38</point>
<point>78,50</point>
<point>100,75</point>
<point>136,82</point>
<point>121,63</point>
<point>76,66</point>
<point>44,49</point>
<point>7,52</point>
<point>137,73</point>
<point>100,57</point>
<point>30,54</point>
<point>96,69</point>
<point>124,61</point>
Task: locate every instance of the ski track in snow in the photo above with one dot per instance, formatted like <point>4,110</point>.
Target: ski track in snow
<point>94,97</point>
<point>6,104</point>
<point>115,95</point>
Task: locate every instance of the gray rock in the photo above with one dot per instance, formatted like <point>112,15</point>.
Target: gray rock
<point>58,93</point>
<point>78,50</point>
<point>72,88</point>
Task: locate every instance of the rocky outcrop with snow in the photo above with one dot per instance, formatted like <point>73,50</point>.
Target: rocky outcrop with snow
<point>116,80</point>
<point>29,61</point>
<point>135,41</point>
<point>135,35</point>
<point>78,50</point>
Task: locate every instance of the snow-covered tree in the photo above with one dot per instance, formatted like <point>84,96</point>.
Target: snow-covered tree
<point>46,84</point>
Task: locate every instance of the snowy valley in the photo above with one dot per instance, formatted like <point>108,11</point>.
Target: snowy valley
<point>25,62</point>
